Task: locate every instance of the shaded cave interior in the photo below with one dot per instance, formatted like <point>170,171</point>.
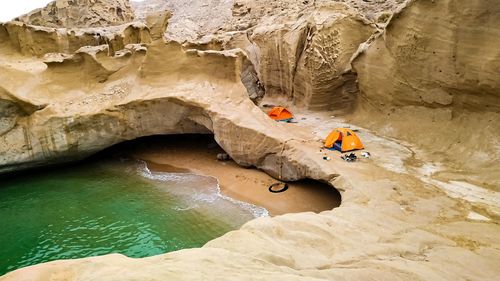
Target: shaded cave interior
<point>180,153</point>
<point>198,153</point>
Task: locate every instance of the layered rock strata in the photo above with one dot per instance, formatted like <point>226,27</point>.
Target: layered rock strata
<point>61,104</point>
<point>99,96</point>
<point>80,13</point>
<point>432,80</point>
<point>39,41</point>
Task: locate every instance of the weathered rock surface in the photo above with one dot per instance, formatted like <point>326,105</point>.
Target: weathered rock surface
<point>40,41</point>
<point>80,13</point>
<point>191,20</point>
<point>303,49</point>
<point>300,49</point>
<point>306,61</point>
<point>61,103</point>
<point>95,98</point>
<point>432,79</point>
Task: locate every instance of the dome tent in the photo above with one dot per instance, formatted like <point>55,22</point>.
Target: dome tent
<point>343,139</point>
<point>279,113</point>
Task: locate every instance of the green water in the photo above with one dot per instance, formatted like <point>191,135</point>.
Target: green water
<point>95,209</point>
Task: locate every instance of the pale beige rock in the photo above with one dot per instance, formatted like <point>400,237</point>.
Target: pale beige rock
<point>308,60</point>
<point>80,13</point>
<point>389,227</point>
<point>191,20</point>
<point>395,223</point>
<point>93,101</point>
<point>303,49</point>
<point>39,41</point>
<point>299,49</point>
<point>432,79</point>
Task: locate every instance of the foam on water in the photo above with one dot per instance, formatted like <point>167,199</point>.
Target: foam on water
<point>107,207</point>
<point>198,190</point>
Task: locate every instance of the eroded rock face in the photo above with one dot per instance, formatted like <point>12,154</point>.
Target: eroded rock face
<point>191,20</point>
<point>80,13</point>
<point>96,97</point>
<point>39,41</point>
<point>11,109</point>
<point>432,79</point>
<point>61,103</point>
<point>303,49</point>
<point>308,61</point>
<point>300,49</point>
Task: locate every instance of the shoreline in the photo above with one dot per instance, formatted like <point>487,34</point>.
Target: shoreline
<point>198,154</point>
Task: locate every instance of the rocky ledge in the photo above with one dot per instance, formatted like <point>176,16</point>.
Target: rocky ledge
<point>66,93</point>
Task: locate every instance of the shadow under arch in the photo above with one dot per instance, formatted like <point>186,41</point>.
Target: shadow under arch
<point>197,153</point>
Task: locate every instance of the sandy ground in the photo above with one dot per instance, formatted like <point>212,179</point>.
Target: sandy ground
<point>398,156</point>
<point>198,154</point>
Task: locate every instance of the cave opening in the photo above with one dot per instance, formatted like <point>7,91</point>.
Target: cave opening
<point>200,153</point>
<point>140,198</point>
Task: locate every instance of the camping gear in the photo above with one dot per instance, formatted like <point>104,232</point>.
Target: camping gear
<point>223,157</point>
<point>279,113</point>
<point>351,157</point>
<point>278,187</point>
<point>366,154</point>
<point>343,139</point>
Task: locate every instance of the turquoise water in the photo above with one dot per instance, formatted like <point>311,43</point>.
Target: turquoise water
<point>95,209</point>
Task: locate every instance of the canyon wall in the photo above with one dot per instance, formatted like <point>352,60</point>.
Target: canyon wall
<point>80,102</point>
<point>307,60</point>
<point>432,79</point>
<point>428,77</point>
<point>303,50</point>
<point>39,41</point>
<point>80,13</point>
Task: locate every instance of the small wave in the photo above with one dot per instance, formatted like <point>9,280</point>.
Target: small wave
<point>178,208</point>
<point>199,188</point>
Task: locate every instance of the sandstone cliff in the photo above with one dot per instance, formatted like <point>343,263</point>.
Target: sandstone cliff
<point>80,13</point>
<point>101,95</point>
<point>67,94</point>
<point>432,79</point>
<point>303,50</point>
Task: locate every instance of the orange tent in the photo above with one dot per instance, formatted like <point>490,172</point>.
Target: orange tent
<point>343,139</point>
<point>279,113</point>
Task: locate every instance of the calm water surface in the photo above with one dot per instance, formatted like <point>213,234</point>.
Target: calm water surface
<point>114,207</point>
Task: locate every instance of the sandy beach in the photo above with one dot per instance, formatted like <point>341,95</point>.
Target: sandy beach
<point>198,154</point>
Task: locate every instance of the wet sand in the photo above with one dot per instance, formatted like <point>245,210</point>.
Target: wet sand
<point>198,154</point>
